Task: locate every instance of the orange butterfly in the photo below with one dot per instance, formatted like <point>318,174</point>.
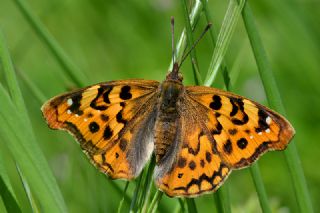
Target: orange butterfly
<point>198,134</point>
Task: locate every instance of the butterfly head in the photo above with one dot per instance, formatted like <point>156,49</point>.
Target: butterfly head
<point>175,75</point>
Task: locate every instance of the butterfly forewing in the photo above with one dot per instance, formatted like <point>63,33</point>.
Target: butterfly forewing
<point>105,118</point>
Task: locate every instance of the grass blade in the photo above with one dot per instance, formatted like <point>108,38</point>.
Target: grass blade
<point>6,191</point>
<point>124,195</point>
<point>136,194</point>
<point>70,68</point>
<point>28,156</point>
<point>222,200</point>
<point>231,18</point>
<point>30,196</point>
<point>155,201</point>
<point>213,35</point>
<point>37,93</point>
<point>190,41</point>
<point>148,185</point>
<point>223,205</point>
<point>191,205</point>
<point>9,201</point>
<point>262,195</point>
<point>274,100</point>
<point>181,204</point>
<point>22,144</point>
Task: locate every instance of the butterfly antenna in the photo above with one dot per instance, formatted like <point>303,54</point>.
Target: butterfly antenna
<point>172,39</point>
<point>195,43</point>
<point>175,69</point>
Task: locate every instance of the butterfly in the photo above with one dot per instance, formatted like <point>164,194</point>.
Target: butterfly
<point>198,134</point>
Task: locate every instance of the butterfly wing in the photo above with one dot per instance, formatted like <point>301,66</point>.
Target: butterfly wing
<point>243,129</point>
<point>113,123</point>
<point>219,131</point>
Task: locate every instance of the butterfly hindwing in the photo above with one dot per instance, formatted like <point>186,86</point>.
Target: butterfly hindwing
<point>242,129</point>
<point>105,119</point>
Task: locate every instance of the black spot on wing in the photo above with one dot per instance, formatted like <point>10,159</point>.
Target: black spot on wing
<point>107,134</point>
<point>106,94</point>
<point>182,162</point>
<point>192,165</point>
<point>94,127</point>
<point>101,89</point>
<point>262,120</point>
<point>242,143</point>
<point>119,118</point>
<point>104,117</point>
<point>232,131</point>
<point>227,147</point>
<point>241,122</point>
<point>237,104</point>
<point>76,103</point>
<point>235,108</point>
<point>216,102</point>
<point>123,144</point>
<point>202,163</point>
<point>217,130</point>
<point>125,93</point>
<point>89,115</point>
<point>208,157</point>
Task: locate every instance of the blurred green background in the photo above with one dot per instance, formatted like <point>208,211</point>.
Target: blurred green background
<point>110,40</point>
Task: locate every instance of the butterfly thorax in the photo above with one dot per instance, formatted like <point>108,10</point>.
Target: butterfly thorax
<point>167,120</point>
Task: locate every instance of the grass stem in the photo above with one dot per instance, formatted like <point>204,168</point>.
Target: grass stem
<point>274,100</point>
<point>23,145</point>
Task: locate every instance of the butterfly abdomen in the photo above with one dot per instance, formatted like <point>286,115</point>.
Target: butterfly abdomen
<point>167,119</point>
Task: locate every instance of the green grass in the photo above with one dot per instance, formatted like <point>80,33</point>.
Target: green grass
<point>111,41</point>
<point>23,146</point>
<point>275,102</point>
